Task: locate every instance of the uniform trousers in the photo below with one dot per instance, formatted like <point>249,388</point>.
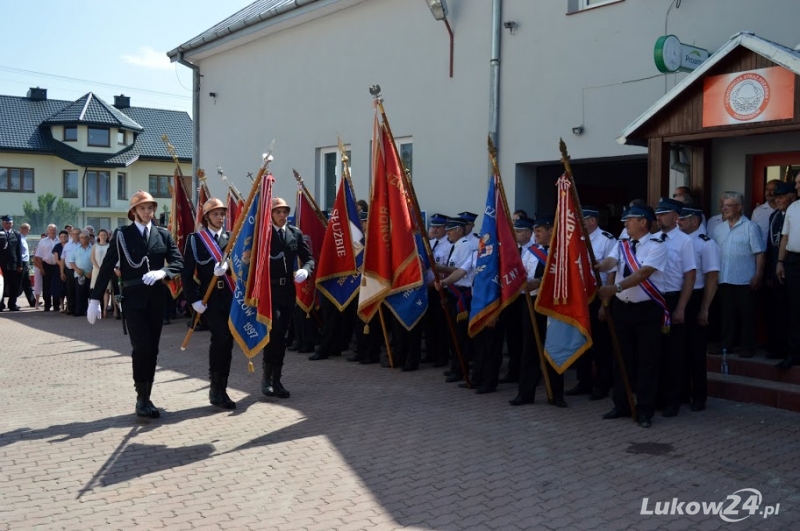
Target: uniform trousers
<point>513,335</point>
<point>695,350</point>
<point>530,367</point>
<point>49,273</point>
<point>436,330</point>
<point>332,329</point>
<point>488,349</point>
<point>407,344</point>
<point>792,282</point>
<point>282,310</point>
<point>461,328</point>
<point>219,351</point>
<point>11,280</point>
<point>144,322</point>
<point>638,328</point>
<point>594,366</point>
<point>673,353</point>
<point>778,317</point>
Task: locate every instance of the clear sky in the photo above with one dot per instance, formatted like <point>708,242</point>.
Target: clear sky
<point>109,47</point>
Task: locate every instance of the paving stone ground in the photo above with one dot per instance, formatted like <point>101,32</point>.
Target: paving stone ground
<point>355,447</point>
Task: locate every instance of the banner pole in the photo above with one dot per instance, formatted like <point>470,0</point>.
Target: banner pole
<point>386,337</point>
<point>565,159</point>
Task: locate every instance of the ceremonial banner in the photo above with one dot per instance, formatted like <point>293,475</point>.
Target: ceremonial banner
<point>313,229</point>
<point>249,332</point>
<point>181,224</point>
<point>409,306</point>
<point>338,272</point>
<point>234,210</point>
<point>391,263</point>
<point>568,286</point>
<point>500,275</point>
<point>202,196</point>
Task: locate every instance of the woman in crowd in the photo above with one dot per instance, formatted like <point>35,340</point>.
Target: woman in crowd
<point>58,287</point>
<point>37,278</point>
<point>98,254</point>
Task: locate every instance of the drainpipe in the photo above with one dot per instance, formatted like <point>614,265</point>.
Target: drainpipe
<point>195,123</point>
<point>494,90</point>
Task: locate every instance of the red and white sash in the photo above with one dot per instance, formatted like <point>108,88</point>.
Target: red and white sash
<point>216,252</point>
<point>647,284</point>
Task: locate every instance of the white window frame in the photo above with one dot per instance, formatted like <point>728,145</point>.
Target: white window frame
<point>575,6</point>
<point>323,199</point>
<point>402,141</point>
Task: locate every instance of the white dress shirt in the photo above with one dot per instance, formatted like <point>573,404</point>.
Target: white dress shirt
<point>650,251</point>
<point>706,256</point>
<point>681,259</point>
<point>791,227</point>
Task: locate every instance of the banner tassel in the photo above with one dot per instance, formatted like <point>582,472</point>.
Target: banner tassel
<point>250,367</point>
<point>366,329</point>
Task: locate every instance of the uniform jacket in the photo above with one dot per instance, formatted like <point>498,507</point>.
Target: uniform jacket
<point>161,252</point>
<point>203,263</point>
<point>283,263</point>
<point>10,250</point>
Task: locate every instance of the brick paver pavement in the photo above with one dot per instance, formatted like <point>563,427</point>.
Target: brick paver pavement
<point>355,447</point>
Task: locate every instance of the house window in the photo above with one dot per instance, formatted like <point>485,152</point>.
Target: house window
<point>98,189</point>
<point>159,185</point>
<point>16,180</point>
<point>122,186</point>
<point>70,133</point>
<point>121,222</point>
<point>99,137</point>
<point>121,138</point>
<point>582,5</point>
<point>405,148</point>
<point>99,223</point>
<point>71,184</point>
<point>332,169</point>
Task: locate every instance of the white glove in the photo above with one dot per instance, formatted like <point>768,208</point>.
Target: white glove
<point>93,312</point>
<point>300,275</point>
<point>151,277</point>
<point>199,307</point>
<point>220,269</point>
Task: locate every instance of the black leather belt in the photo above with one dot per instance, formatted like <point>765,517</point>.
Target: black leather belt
<point>220,284</point>
<point>131,283</point>
<point>280,281</point>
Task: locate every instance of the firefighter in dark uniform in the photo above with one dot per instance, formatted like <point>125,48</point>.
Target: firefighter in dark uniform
<point>286,246</point>
<point>147,254</point>
<point>198,257</point>
<point>10,262</point>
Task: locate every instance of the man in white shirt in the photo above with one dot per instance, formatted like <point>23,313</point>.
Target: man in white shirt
<point>763,211</point>
<point>741,273</point>
<point>68,270</point>
<point>436,331</point>
<point>45,261</point>
<point>640,312</point>
<point>707,256</point>
<point>787,271</point>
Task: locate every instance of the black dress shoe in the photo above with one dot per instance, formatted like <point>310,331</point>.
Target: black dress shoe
<point>410,368</point>
<point>14,308</point>
<point>318,356</point>
<point>166,321</point>
<point>464,385</point>
<point>645,422</point>
<point>367,361</point>
<point>454,378</point>
<point>785,365</point>
<point>578,390</point>
<point>670,411</point>
<point>698,406</point>
<point>520,400</point>
<point>438,364</point>
<point>306,349</point>
<point>615,414</point>
<point>508,378</point>
<point>558,402</point>
<point>354,357</point>
<point>485,390</point>
<point>294,347</point>
<point>598,394</point>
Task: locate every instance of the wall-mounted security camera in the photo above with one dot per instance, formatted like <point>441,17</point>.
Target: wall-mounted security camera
<point>510,25</point>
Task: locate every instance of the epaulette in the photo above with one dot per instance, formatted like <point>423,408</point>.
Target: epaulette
<point>705,237</point>
<point>476,235</point>
<point>163,229</point>
<point>607,235</point>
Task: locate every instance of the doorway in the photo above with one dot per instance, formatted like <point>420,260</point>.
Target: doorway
<point>781,166</point>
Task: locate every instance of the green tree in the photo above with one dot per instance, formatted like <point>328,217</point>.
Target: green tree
<point>49,209</point>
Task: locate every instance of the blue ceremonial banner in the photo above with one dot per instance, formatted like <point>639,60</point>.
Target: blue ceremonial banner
<point>248,332</point>
<point>342,256</point>
<point>409,306</point>
<point>499,273</point>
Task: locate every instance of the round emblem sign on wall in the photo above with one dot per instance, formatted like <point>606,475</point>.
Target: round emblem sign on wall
<point>747,96</point>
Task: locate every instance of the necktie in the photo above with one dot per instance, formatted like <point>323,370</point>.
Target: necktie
<point>282,235</point>
<point>145,234</point>
<point>216,238</point>
<point>452,248</point>
<point>627,272</point>
<point>435,243</point>
<point>664,236</point>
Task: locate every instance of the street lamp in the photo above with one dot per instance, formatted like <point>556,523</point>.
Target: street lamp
<point>439,11</point>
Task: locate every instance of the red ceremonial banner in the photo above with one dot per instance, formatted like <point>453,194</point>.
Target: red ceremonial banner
<point>313,229</point>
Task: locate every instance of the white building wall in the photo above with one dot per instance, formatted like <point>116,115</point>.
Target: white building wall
<point>305,85</point>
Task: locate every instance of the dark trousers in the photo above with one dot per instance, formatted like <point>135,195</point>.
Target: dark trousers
<point>11,280</point>
<point>488,349</point>
<point>594,366</point>
<point>462,337</point>
<point>778,317</point>
<point>436,330</point>
<point>306,333</point>
<point>406,344</point>
<point>638,328</point>
<point>513,334</point>
<point>81,296</point>
<point>49,273</point>
<point>737,304</point>
<point>673,352</point>
<point>332,329</point>
<point>530,366</point>
<point>792,283</point>
<point>369,343</point>
<point>144,329</point>
<point>25,282</point>
<point>219,351</point>
<point>695,350</point>
<point>275,351</point>
<point>70,287</point>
